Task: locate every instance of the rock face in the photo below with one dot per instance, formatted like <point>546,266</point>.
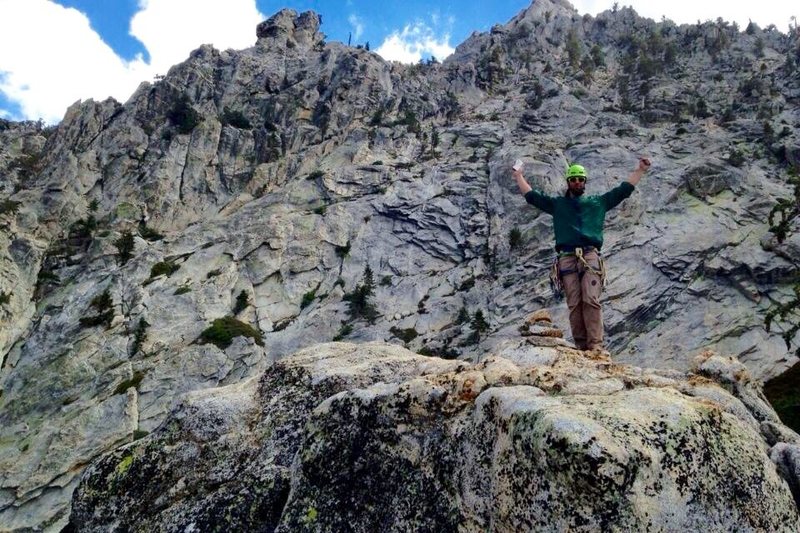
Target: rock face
<point>364,437</point>
<point>224,217</point>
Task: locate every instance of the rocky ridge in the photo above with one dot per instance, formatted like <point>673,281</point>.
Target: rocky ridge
<point>280,172</point>
<point>359,437</point>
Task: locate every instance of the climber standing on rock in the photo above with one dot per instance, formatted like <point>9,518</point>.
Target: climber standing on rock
<point>578,268</point>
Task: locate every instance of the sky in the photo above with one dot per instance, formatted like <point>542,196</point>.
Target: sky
<point>56,52</point>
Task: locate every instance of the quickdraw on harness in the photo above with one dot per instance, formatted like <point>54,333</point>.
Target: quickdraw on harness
<point>556,274</point>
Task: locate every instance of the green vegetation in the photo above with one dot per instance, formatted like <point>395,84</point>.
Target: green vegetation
<point>308,298</point>
<point>320,210</point>
<point>183,289</point>
<point>343,251</point>
<point>139,336</point>
<point>573,47</point>
<point>5,297</point>
<point>410,121</point>
<point>343,332</point>
<point>386,281</point>
<point>406,335</point>
<point>139,434</point>
<point>242,301</point>
<point>235,118</point>
<point>9,207</point>
<point>128,383</point>
<point>361,305</point>
<point>223,330</point>
<point>317,174</point>
<point>103,304</point>
<point>83,228</point>
<point>163,267</point>
<point>125,246</point>
<point>183,116</point>
<point>514,238</point>
<point>214,273</point>
<point>783,392</point>
<point>27,165</point>
<point>479,327</point>
<point>463,316</point>
<point>149,234</point>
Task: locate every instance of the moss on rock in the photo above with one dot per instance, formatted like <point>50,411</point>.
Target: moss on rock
<point>223,330</point>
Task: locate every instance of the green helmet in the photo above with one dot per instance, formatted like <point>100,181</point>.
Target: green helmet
<point>575,170</point>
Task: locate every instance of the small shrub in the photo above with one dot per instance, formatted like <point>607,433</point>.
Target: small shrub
<point>343,251</point>
<point>149,234</point>
<point>514,238</point>
<point>183,289</point>
<point>5,297</point>
<point>235,118</point>
<point>134,382</point>
<point>479,325</point>
<point>93,205</point>
<point>386,281</point>
<point>139,434</point>
<point>214,273</point>
<point>223,330</point>
<point>406,335</point>
<point>183,116</point>
<point>9,207</point>
<point>308,298</point>
<point>242,301</point>
<point>736,158</point>
<point>463,316</point>
<point>343,332</point>
<point>104,306</point>
<point>361,305</point>
<point>468,284</point>
<point>163,267</point>
<point>320,210</point>
<point>139,336</point>
<point>125,246</point>
<point>317,174</point>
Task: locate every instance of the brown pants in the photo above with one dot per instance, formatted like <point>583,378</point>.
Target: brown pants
<point>583,289</point>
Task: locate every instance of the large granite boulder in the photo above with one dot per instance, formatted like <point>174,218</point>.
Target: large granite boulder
<point>364,437</point>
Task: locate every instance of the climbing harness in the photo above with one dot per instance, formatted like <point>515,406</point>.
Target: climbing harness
<point>557,274</point>
<point>601,273</point>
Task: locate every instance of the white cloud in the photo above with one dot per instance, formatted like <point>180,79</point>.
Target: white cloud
<point>358,27</point>
<point>50,56</point>
<point>413,42</point>
<point>170,29</point>
<point>764,12</point>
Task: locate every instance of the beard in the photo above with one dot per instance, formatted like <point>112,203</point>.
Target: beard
<point>575,192</point>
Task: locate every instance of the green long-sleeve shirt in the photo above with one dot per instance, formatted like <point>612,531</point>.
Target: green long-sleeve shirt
<point>578,222</point>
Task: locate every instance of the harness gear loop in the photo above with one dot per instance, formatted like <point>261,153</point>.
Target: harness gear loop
<point>556,285</point>
<point>601,273</point>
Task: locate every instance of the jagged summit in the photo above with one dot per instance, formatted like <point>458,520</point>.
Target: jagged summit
<point>258,202</point>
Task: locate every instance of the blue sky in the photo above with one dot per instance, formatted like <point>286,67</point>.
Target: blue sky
<point>55,52</point>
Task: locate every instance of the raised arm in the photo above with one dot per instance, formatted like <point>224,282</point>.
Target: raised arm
<point>524,188</point>
<point>532,196</point>
<point>636,175</point>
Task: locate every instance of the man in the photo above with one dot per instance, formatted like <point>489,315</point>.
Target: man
<point>578,224</point>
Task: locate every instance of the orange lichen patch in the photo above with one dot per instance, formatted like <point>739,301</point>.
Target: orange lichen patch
<point>549,332</point>
<point>597,355</point>
<point>697,380</point>
<point>742,376</point>
<point>542,315</point>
